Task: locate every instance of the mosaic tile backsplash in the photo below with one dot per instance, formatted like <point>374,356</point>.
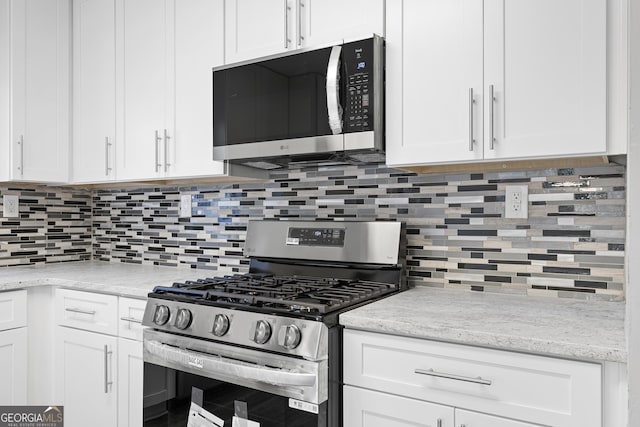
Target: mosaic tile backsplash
<point>54,225</point>
<point>572,244</point>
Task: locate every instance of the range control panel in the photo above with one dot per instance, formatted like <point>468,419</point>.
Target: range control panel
<point>358,61</point>
<point>316,236</point>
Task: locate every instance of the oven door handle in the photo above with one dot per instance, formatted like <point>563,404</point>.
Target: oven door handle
<point>195,361</point>
<point>333,91</point>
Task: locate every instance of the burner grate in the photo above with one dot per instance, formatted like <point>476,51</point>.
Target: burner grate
<point>293,294</point>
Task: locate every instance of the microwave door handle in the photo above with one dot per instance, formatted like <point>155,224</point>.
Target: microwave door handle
<point>333,91</point>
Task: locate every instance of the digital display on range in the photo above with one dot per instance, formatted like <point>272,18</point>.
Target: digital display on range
<point>316,237</point>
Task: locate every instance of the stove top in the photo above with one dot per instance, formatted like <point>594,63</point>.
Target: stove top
<point>276,294</point>
<point>302,276</point>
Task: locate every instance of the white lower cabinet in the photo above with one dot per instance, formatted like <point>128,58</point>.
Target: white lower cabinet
<point>86,377</point>
<point>99,375</point>
<point>369,408</point>
<point>474,419</point>
<point>416,376</point>
<point>130,364</point>
<point>13,348</point>
<point>13,367</point>
<point>130,383</point>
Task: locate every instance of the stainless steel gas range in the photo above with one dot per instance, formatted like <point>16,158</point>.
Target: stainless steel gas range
<point>265,347</point>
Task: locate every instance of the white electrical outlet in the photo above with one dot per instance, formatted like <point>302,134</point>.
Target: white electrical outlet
<point>11,206</point>
<point>185,206</point>
<point>516,201</point>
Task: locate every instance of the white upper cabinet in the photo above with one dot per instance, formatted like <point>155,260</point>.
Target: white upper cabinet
<point>34,69</point>
<point>255,28</point>
<point>167,50</point>
<point>94,90</point>
<point>434,68</point>
<point>198,32</point>
<point>258,28</point>
<point>544,62</point>
<point>143,62</point>
<point>329,21</point>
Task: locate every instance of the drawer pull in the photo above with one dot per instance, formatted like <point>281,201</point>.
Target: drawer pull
<point>131,319</point>
<point>432,373</point>
<point>81,311</point>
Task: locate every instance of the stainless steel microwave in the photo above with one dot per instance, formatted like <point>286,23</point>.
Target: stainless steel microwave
<point>314,106</point>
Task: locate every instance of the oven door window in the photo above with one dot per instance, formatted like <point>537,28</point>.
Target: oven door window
<point>168,399</point>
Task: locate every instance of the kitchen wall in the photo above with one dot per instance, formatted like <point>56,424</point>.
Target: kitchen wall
<point>572,244</point>
<point>54,226</point>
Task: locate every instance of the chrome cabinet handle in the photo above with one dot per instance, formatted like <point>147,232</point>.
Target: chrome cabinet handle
<point>81,311</point>
<point>333,91</point>
<point>21,144</point>
<point>300,37</point>
<point>158,139</point>
<point>287,40</point>
<point>166,150</point>
<point>107,144</point>
<point>471,102</point>
<point>492,101</point>
<point>131,319</point>
<point>432,373</point>
<point>107,383</point>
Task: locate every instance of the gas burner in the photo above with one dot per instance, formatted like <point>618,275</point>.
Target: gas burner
<point>290,294</point>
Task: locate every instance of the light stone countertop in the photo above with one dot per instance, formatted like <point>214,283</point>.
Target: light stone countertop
<point>558,327</point>
<point>586,330</point>
<point>122,279</point>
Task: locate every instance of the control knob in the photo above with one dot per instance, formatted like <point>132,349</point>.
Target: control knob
<point>262,332</point>
<point>161,315</point>
<point>183,319</point>
<point>289,336</point>
<point>220,325</point>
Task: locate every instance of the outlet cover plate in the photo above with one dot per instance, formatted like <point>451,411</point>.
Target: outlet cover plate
<point>11,206</point>
<point>516,201</point>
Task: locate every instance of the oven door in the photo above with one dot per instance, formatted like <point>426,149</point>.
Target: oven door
<point>279,391</point>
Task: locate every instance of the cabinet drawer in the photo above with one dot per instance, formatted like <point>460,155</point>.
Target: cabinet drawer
<point>13,309</point>
<point>130,313</point>
<point>539,389</point>
<point>374,409</point>
<point>87,310</point>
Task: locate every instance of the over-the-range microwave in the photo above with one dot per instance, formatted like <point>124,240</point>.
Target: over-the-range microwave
<point>311,106</point>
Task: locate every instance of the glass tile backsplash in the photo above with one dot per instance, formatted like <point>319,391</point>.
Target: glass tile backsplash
<point>572,245</point>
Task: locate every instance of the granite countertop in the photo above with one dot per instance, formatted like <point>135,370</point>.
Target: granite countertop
<point>557,327</point>
<point>576,329</point>
<point>129,280</point>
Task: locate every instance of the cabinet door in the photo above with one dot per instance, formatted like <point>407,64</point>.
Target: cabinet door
<point>368,408</point>
<point>5,91</point>
<point>474,419</point>
<point>94,90</point>
<point>13,367</point>
<point>256,28</point>
<point>197,45</point>
<point>40,85</point>
<point>86,377</point>
<point>130,383</point>
<point>546,60</point>
<point>141,26</point>
<point>329,21</point>
<point>434,62</point>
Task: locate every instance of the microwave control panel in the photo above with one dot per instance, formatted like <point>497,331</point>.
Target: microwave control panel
<point>358,62</point>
